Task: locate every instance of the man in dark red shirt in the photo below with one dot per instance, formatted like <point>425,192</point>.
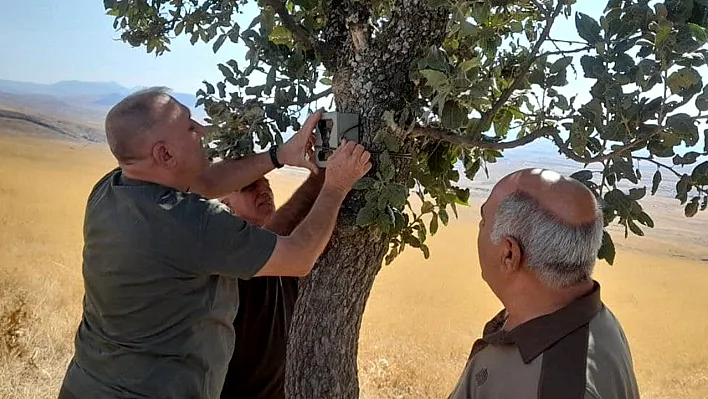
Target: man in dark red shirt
<point>257,367</point>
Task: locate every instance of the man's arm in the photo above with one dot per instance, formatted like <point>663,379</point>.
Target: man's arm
<point>224,177</point>
<point>296,254</point>
<point>297,207</point>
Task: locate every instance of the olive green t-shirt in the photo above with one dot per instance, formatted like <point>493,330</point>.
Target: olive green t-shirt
<point>160,271</point>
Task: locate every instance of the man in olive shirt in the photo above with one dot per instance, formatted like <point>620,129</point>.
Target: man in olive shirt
<point>266,304</point>
<point>538,241</point>
<point>160,260</point>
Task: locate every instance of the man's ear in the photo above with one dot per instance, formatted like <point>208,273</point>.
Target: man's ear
<point>511,255</point>
<point>162,155</point>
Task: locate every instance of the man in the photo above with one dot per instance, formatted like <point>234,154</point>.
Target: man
<point>257,367</point>
<point>538,241</point>
<point>160,261</point>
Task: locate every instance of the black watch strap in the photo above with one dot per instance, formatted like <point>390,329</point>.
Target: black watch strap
<point>273,151</point>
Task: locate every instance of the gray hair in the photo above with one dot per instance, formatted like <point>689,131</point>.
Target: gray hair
<point>128,120</point>
<point>559,253</point>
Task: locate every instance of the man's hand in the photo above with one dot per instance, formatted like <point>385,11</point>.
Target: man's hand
<point>348,164</point>
<point>299,150</point>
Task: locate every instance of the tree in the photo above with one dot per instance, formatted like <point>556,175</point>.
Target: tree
<point>437,82</point>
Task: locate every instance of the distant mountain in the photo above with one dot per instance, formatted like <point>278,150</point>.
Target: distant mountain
<point>79,98</point>
<point>72,88</point>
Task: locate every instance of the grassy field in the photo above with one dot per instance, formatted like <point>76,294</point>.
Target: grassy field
<point>420,322</point>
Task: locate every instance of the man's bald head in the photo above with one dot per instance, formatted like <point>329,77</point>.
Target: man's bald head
<point>129,123</point>
<point>556,221</point>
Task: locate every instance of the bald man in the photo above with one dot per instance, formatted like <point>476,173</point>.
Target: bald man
<point>538,241</point>
<point>266,304</point>
<point>161,260</point>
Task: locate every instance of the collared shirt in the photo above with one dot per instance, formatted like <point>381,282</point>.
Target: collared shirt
<point>160,272</point>
<point>579,351</point>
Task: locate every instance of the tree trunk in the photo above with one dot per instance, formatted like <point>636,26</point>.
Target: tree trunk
<point>370,77</point>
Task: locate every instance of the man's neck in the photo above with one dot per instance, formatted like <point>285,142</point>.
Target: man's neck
<point>138,173</point>
<point>536,300</point>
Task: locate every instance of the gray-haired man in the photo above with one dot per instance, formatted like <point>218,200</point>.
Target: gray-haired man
<point>538,241</point>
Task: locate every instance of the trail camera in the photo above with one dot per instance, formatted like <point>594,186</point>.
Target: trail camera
<point>331,129</point>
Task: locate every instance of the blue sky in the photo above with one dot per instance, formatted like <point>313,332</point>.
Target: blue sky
<point>45,41</point>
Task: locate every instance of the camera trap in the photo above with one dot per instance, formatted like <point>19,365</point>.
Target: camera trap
<point>331,129</point>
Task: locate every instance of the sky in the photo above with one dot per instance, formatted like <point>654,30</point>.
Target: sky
<point>45,41</point>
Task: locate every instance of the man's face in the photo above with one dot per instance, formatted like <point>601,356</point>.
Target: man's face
<point>490,253</point>
<point>183,138</point>
<point>253,203</point>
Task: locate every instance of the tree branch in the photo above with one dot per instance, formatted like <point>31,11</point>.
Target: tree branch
<point>563,147</point>
<point>665,166</point>
<point>567,41</point>
<point>564,52</point>
<point>468,142</point>
<point>541,7</point>
<point>314,98</point>
<point>525,68</point>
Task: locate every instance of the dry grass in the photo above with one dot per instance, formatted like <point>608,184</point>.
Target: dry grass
<point>419,325</point>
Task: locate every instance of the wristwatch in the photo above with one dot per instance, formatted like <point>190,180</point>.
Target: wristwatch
<point>273,152</point>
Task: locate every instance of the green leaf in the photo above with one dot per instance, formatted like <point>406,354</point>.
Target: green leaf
<point>655,182</point>
<point>210,88</point>
<point>426,251</point>
<point>225,71</point>
<point>607,249</point>
<point>386,222</point>
<point>560,64</point>
<point>634,228</point>
<point>365,216</point>
<point>463,195</point>
<point>592,66</point>
<point>684,126</point>
<point>682,188</point>
<point>179,28</point>
<point>434,78</point>
<point>453,116</point>
<point>699,33</point>
<point>391,143</point>
<point>687,158</point>
<point>588,28</point>
<point>444,217</point>
<point>644,219</point>
<point>364,183</point>
<point>637,193</point>
<point>411,240</point>
<point>427,207</point>
<point>218,43</point>
<point>583,175</point>
<point>691,209</point>
<point>280,35</point>
<point>683,80</point>
<point>434,224</point>
<point>699,176</point>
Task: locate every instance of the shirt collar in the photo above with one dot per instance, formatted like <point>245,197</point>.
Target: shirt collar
<point>536,335</point>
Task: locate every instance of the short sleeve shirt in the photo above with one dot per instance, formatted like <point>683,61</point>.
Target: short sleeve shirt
<point>160,272</point>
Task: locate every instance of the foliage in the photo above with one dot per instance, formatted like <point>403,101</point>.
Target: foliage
<point>500,80</point>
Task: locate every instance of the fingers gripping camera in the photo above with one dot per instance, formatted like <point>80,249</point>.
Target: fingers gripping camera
<point>332,128</point>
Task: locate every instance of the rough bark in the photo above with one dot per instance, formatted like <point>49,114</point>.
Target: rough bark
<point>371,77</point>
